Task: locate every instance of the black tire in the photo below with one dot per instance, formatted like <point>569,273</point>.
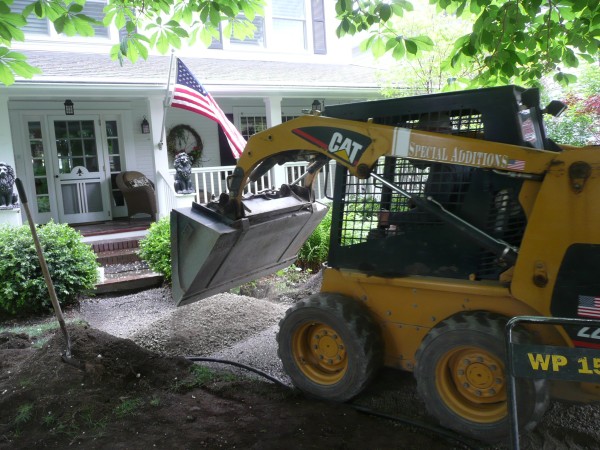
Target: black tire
<point>330,346</point>
<point>461,376</point>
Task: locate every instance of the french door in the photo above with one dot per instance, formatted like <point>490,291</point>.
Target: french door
<point>80,172</point>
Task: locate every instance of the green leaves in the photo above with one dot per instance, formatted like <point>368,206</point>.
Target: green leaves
<point>71,262</point>
<point>160,24</point>
<point>14,63</point>
<point>509,41</point>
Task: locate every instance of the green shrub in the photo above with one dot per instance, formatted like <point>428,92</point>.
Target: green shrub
<point>72,265</point>
<point>155,248</point>
<point>316,248</point>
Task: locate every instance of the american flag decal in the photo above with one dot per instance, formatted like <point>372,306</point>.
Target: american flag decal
<point>516,164</point>
<point>588,306</point>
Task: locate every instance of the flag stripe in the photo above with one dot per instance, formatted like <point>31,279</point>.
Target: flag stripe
<point>190,95</point>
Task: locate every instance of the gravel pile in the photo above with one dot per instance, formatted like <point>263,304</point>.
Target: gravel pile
<point>210,325</point>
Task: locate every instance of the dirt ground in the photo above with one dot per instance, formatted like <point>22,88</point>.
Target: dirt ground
<point>117,395</point>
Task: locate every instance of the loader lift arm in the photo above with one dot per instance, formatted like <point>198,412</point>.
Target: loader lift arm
<point>358,145</point>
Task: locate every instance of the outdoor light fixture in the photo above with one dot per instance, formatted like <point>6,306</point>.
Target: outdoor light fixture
<point>69,108</point>
<point>316,105</point>
<point>145,126</point>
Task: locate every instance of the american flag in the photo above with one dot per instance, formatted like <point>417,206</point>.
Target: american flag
<point>516,164</point>
<point>190,94</point>
<point>588,306</point>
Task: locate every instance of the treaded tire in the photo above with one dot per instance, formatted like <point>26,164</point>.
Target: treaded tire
<point>461,376</point>
<point>330,346</point>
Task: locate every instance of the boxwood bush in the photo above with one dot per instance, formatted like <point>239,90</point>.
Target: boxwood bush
<point>71,262</point>
<point>155,248</point>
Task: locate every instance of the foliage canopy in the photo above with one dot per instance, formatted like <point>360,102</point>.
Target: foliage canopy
<point>510,41</point>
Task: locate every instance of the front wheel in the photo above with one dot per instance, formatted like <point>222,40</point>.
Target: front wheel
<point>462,378</point>
<point>330,346</point>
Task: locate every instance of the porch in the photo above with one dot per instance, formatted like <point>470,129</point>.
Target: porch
<point>116,242</point>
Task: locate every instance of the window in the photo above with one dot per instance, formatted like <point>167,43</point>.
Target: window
<point>38,162</point>
<point>286,27</point>
<point>289,25</point>
<point>258,39</point>
<point>252,124</point>
<point>43,27</point>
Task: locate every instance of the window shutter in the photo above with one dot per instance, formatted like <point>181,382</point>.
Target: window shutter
<point>217,43</point>
<point>34,25</point>
<point>318,19</point>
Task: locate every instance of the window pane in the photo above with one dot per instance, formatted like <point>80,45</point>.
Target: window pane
<point>111,128</point>
<point>37,149</point>
<point>64,165</point>
<point>259,34</point>
<point>292,9</point>
<point>41,186</point>
<point>76,148</point>
<point>115,163</point>
<point>288,35</point>
<point>35,130</point>
<point>113,147</point>
<point>43,204</point>
<point>39,167</point>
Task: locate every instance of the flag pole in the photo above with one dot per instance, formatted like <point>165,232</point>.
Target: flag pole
<point>165,102</point>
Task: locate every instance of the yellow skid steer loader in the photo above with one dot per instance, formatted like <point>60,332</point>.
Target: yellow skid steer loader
<point>451,213</point>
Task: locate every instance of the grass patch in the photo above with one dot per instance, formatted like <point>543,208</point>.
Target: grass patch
<point>39,333</point>
<point>39,329</point>
<point>128,407</point>
<point>24,414</point>
<point>202,376</point>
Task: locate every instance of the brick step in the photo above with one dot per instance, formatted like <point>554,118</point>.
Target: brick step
<point>113,245</point>
<point>123,256</point>
<point>119,251</point>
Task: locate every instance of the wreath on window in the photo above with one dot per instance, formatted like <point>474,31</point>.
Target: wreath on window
<point>183,138</point>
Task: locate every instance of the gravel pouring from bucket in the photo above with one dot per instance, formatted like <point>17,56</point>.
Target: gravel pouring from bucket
<point>211,254</point>
<point>47,278</point>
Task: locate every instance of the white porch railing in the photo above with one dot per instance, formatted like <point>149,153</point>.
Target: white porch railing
<point>211,182</point>
<point>165,193</point>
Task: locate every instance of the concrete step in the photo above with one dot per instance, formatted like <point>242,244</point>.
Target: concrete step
<point>127,277</point>
<point>129,281</point>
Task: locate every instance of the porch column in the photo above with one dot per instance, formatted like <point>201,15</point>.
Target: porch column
<point>273,110</point>
<point>164,191</point>
<point>7,155</point>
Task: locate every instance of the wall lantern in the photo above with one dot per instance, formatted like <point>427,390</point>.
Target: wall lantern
<point>145,126</point>
<point>316,105</point>
<point>69,108</point>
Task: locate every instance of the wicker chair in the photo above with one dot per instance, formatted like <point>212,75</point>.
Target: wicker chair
<point>138,192</point>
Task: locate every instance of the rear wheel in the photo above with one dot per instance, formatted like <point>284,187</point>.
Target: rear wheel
<point>461,376</point>
<point>330,346</point>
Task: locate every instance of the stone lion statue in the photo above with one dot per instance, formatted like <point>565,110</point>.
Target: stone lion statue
<point>183,173</point>
<point>8,198</point>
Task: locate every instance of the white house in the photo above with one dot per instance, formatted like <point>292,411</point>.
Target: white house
<point>68,163</point>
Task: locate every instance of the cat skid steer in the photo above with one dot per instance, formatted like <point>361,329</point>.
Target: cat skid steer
<point>451,213</point>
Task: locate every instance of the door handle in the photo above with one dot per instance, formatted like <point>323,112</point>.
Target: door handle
<point>56,176</point>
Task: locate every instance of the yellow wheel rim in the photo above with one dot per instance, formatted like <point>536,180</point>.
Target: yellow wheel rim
<point>471,381</point>
<point>320,353</point>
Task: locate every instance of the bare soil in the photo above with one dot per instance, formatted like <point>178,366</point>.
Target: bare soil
<point>115,394</point>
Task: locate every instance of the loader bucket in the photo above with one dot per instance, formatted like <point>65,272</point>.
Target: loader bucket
<point>211,254</point>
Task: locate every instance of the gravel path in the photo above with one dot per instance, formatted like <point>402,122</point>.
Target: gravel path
<point>225,326</point>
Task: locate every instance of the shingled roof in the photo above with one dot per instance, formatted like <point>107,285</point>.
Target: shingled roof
<point>87,68</point>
